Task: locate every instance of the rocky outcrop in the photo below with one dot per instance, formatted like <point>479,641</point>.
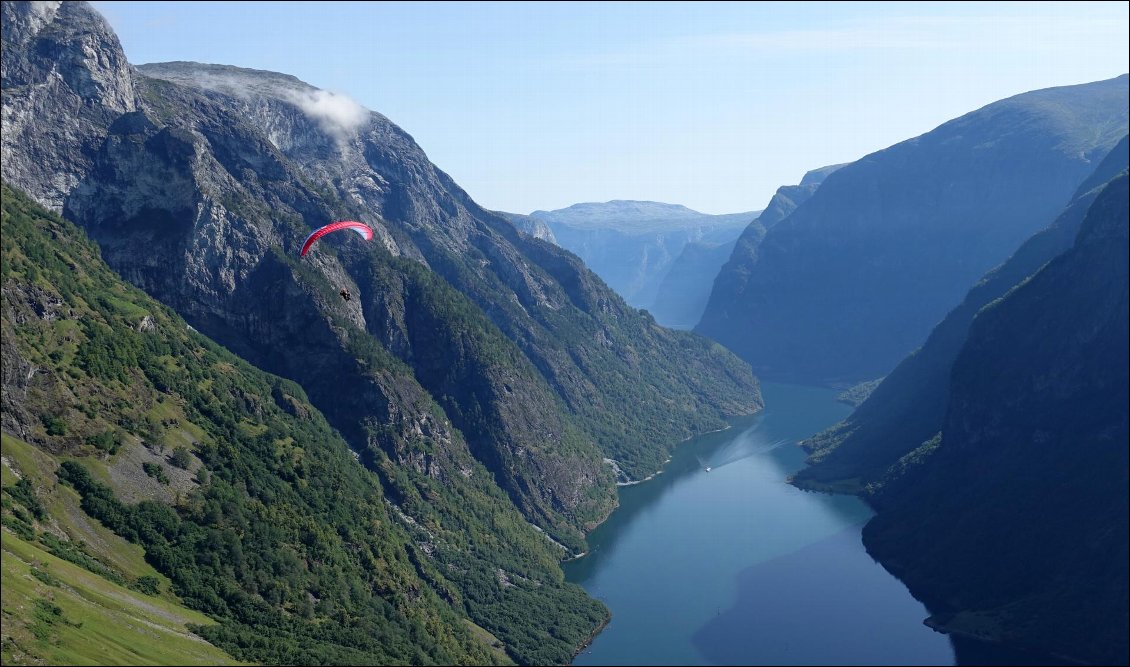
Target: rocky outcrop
<point>65,80</point>
<point>532,226</point>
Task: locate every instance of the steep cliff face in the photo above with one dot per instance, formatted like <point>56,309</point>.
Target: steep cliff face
<point>532,226</point>
<point>202,190</point>
<point>65,80</point>
<point>1012,522</point>
<point>855,278</point>
<point>908,407</point>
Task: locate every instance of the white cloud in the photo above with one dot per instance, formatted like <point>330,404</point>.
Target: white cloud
<point>338,114</point>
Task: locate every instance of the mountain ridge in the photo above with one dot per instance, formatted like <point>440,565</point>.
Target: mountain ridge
<point>854,279</point>
<point>198,188</point>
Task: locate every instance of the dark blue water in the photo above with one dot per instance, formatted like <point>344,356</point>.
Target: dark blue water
<point>733,566</point>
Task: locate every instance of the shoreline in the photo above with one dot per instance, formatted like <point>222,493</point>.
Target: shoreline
<point>668,460</point>
<point>600,628</point>
<point>592,637</point>
<point>650,477</point>
<point>986,636</point>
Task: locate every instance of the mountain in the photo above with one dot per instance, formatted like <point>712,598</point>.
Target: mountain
<point>729,277</point>
<point>788,197</point>
<point>532,226</point>
<point>632,244</point>
<point>199,183</point>
<point>149,469</point>
<point>857,276</point>
<point>201,194</point>
<point>908,408</point>
<point>682,294</point>
<point>686,288</point>
<point>1011,523</point>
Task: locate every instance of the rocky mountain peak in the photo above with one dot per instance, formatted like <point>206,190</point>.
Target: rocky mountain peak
<point>65,79</point>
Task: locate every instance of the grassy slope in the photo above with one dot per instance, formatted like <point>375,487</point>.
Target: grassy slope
<point>98,621</point>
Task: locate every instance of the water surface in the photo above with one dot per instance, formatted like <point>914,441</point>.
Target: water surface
<point>733,566</point>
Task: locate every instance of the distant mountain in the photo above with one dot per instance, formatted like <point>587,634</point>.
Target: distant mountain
<point>632,217</point>
<point>632,244</point>
<point>686,287</point>
<point>532,226</point>
<point>682,294</point>
<point>199,183</point>
<point>730,276</point>
<point>1011,522</point>
<point>854,279</point>
<point>909,406</point>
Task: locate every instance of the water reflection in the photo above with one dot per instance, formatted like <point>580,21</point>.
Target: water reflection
<point>692,553</point>
<point>849,611</point>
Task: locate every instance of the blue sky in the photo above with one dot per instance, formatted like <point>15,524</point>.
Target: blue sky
<point>532,105</point>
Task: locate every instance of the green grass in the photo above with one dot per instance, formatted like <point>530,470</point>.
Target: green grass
<point>495,644</point>
<point>95,622</point>
<point>62,505</point>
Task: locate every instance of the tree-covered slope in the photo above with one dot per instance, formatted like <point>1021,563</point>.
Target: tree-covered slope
<point>1012,522</point>
<point>243,496</point>
<point>856,277</point>
<point>908,407</point>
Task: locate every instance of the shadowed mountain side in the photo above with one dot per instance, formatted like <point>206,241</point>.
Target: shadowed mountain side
<point>908,407</point>
<point>856,277</point>
<point>733,274</point>
<point>1012,522</point>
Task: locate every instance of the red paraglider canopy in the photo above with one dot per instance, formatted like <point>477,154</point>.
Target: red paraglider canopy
<point>358,227</point>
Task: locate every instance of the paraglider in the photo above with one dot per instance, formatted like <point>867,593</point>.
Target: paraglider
<point>361,228</point>
<point>364,230</point>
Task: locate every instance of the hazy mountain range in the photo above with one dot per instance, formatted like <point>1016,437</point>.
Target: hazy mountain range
<point>634,245</point>
<point>202,439</point>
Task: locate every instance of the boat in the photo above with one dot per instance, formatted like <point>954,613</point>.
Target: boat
<point>707,468</point>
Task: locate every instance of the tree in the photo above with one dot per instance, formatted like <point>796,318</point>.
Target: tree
<point>181,457</point>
